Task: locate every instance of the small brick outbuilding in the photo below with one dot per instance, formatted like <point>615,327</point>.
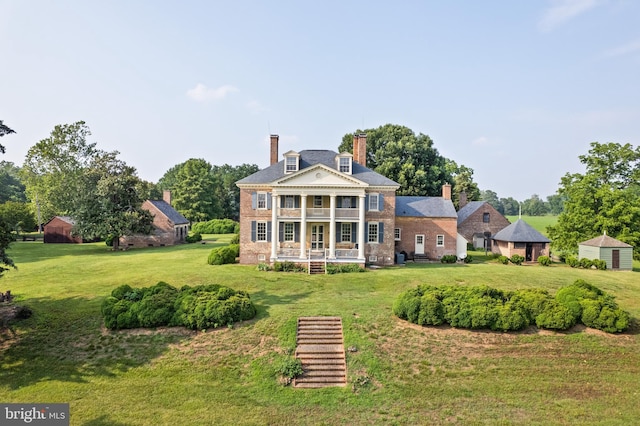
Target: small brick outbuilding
<point>520,238</point>
<point>58,230</point>
<point>478,221</point>
<point>618,255</point>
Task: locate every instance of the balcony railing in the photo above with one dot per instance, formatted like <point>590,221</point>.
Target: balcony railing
<point>319,213</point>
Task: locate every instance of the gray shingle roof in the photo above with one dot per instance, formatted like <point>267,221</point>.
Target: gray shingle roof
<point>468,210</point>
<point>171,213</point>
<point>604,241</point>
<point>424,207</point>
<point>520,232</point>
<point>311,157</point>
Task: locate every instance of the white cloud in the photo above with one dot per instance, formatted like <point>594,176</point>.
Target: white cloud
<point>562,11</point>
<point>202,93</point>
<point>624,49</point>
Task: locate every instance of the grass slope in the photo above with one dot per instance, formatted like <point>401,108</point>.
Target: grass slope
<point>539,223</point>
<point>400,374</point>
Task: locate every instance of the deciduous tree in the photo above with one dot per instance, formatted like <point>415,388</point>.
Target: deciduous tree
<point>110,206</point>
<point>11,188</point>
<point>18,216</point>
<point>409,159</point>
<point>606,198</point>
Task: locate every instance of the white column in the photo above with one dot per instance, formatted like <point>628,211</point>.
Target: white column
<point>274,226</point>
<point>303,226</point>
<point>332,227</point>
<point>361,208</point>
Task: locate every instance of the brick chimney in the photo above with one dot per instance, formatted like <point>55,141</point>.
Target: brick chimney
<point>166,196</point>
<point>274,149</point>
<point>462,201</point>
<point>360,149</point>
<point>446,191</point>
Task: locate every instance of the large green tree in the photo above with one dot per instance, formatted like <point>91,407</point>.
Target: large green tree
<point>411,160</point>
<point>53,168</point>
<point>18,216</point>
<point>5,232</point>
<point>194,191</point>
<point>110,205</point>
<point>11,187</point>
<point>463,183</point>
<point>606,198</point>
<point>227,191</point>
<point>491,197</point>
<point>534,206</point>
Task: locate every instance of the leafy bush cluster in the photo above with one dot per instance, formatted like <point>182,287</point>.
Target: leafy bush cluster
<point>193,238</point>
<point>288,266</point>
<point>449,258</point>
<point>200,307</point>
<point>503,259</point>
<point>344,268</point>
<point>216,226</point>
<point>483,307</point>
<point>586,263</point>
<point>235,239</point>
<point>224,255</point>
<point>516,259</point>
<point>544,260</point>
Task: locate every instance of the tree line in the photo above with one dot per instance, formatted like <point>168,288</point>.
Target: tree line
<point>66,174</point>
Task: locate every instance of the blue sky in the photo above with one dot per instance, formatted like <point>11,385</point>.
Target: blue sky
<point>516,90</point>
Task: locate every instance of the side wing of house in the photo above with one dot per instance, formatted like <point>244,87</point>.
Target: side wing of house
<point>478,221</point>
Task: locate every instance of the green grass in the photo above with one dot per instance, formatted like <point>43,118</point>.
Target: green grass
<point>400,374</point>
<point>539,223</point>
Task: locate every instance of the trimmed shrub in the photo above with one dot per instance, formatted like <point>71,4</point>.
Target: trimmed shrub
<point>235,239</point>
<point>503,259</point>
<point>600,264</point>
<point>193,238</point>
<point>468,259</point>
<point>288,266</point>
<point>431,310</point>
<point>556,316</point>
<point>216,226</point>
<point>449,258</point>
<point>343,268</point>
<point>544,260</point>
<point>224,255</point>
<point>516,259</point>
<point>264,267</point>
<point>290,368</point>
<point>572,261</point>
<point>586,263</point>
<point>200,307</point>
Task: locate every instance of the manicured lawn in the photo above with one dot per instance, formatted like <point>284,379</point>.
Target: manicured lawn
<point>400,374</point>
<point>539,223</point>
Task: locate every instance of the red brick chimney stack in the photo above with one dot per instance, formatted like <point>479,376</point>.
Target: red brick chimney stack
<point>446,191</point>
<point>463,200</point>
<point>166,196</point>
<point>274,149</point>
<point>360,149</point>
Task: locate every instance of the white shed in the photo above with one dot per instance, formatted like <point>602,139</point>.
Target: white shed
<point>618,255</point>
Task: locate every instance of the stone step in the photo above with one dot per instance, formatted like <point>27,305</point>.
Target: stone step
<point>320,349</point>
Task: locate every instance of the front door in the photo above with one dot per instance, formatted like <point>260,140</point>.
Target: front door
<point>529,253</point>
<point>419,244</point>
<point>317,237</point>
<point>615,259</point>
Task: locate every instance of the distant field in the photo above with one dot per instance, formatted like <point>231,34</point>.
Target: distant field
<point>539,223</point>
<point>398,374</point>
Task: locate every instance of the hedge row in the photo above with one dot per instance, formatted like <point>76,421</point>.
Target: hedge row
<point>482,307</point>
<point>200,307</point>
<point>216,226</point>
<point>224,255</point>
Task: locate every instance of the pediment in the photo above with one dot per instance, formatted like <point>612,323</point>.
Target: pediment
<point>319,175</point>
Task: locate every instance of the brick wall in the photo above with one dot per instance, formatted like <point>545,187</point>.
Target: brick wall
<point>474,224</point>
<point>507,248</point>
<point>430,228</point>
<point>157,239</point>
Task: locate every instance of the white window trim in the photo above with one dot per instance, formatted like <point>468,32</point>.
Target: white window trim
<point>342,232</point>
<point>438,238</point>
<point>294,165</point>
<point>377,198</point>
<point>377,225</point>
<point>266,203</point>
<point>291,234</point>
<point>348,165</point>
<point>291,198</point>
<point>319,197</point>
<point>397,234</point>
<point>258,223</point>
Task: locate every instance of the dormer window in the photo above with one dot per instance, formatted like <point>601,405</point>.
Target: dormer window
<point>291,162</point>
<point>344,161</point>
